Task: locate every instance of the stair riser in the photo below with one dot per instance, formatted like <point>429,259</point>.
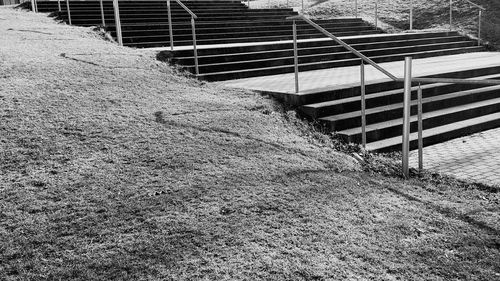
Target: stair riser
<point>251,30</point>
<point>315,113</point>
<point>234,40</point>
<point>395,113</point>
<point>289,61</point>
<point>447,136</point>
<point>387,86</point>
<point>128,20</point>
<point>394,131</point>
<point>202,36</point>
<point>176,13</point>
<point>325,43</point>
<point>232,27</point>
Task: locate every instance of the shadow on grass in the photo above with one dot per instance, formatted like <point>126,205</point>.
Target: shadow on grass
<point>448,212</point>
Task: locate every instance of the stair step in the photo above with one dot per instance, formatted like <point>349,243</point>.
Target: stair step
<point>376,114</point>
<point>393,127</point>
<point>441,133</point>
<point>353,103</point>
<point>243,73</point>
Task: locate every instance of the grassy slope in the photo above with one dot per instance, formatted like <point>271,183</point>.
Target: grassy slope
<point>113,167</point>
<point>427,14</point>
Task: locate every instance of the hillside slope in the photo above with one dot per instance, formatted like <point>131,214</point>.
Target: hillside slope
<point>114,166</point>
<point>427,14</point>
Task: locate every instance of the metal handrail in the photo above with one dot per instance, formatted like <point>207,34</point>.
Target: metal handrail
<point>193,31</point>
<point>344,44</point>
<point>407,80</point>
<point>476,5</point>
<point>187,9</point>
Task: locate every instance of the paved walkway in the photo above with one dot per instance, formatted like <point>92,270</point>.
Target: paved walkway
<point>311,81</point>
<point>475,157</point>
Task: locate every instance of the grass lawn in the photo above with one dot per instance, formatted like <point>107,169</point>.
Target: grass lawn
<point>427,14</point>
<point>114,166</point>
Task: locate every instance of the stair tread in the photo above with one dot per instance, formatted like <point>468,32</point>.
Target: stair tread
<point>414,118</point>
<point>385,93</point>
<point>237,39</point>
<point>315,63</point>
<point>393,106</point>
<point>378,145</point>
<point>308,56</point>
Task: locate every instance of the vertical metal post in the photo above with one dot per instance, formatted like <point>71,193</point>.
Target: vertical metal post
<point>479,28</point>
<point>302,7</point>
<point>102,13</point>
<point>268,4</point>
<point>376,13</point>
<point>118,24</point>
<point>295,57</point>
<point>420,130</point>
<point>356,8</point>
<point>59,5</point>
<point>170,32</point>
<point>451,14</point>
<point>36,6</point>
<point>68,11</point>
<point>33,9</point>
<point>248,3</point>
<point>411,14</point>
<point>363,105</point>
<point>406,117</point>
<point>195,50</point>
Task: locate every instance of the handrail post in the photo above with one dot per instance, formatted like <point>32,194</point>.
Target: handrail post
<point>68,11</point>
<point>451,15</point>
<point>195,50</point>
<point>36,6</point>
<point>59,5</point>
<point>102,13</point>
<point>118,24</point>
<point>411,14</point>
<point>295,57</point>
<point>356,8</point>
<point>248,3</point>
<point>170,31</point>
<point>268,4</point>
<point>406,117</point>
<point>479,28</point>
<point>363,105</point>
<point>420,131</point>
<point>376,13</point>
<point>33,6</point>
<point>302,7</point>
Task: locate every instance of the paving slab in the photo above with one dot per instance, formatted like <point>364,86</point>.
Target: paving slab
<point>475,157</point>
<point>342,77</point>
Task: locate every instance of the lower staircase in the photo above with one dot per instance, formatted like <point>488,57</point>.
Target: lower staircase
<point>235,42</point>
<point>449,110</point>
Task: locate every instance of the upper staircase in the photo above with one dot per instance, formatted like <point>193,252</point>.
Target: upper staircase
<point>145,23</point>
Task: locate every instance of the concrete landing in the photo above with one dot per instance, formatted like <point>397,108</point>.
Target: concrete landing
<point>344,77</point>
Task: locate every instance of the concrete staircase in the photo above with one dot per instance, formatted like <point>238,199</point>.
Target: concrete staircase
<point>258,42</point>
<point>145,23</point>
<point>449,110</point>
<point>233,62</point>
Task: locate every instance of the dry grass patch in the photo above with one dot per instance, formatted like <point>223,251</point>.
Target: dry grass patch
<point>114,166</point>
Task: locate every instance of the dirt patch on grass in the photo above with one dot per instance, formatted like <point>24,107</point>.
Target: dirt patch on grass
<point>114,166</point>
